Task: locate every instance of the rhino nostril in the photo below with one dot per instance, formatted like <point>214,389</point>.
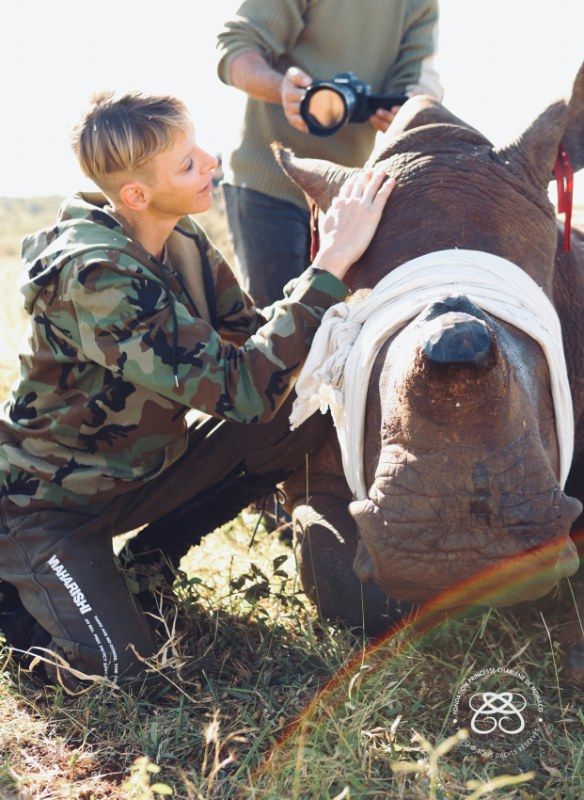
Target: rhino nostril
<point>458,338</point>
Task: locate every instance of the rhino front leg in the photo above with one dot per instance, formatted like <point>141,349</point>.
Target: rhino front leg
<point>325,540</point>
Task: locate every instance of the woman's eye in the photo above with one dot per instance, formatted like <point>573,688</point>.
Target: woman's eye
<point>189,165</point>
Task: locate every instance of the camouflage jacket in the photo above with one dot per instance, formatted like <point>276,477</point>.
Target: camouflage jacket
<point>118,352</point>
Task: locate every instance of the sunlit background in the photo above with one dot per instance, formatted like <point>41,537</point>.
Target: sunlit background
<point>259,661</point>
<point>500,62</point>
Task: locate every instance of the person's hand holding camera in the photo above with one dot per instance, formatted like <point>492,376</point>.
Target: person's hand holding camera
<point>294,84</point>
<point>382,118</point>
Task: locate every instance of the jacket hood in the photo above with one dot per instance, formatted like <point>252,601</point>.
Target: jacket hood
<point>84,223</point>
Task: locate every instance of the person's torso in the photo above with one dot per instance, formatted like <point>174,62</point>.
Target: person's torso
<point>75,432</point>
<point>338,36</point>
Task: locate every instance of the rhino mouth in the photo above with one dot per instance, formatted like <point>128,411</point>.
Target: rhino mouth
<point>465,550</point>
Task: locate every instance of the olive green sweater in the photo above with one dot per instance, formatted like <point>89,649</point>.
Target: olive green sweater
<point>389,44</point>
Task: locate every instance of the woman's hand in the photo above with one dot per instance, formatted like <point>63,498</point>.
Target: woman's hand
<point>348,226</point>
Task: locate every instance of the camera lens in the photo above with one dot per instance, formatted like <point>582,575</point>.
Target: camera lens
<point>324,109</point>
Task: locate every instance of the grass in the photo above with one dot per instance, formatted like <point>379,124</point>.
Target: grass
<point>264,700</point>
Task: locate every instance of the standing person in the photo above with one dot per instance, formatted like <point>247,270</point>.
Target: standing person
<point>135,318</point>
<point>272,50</point>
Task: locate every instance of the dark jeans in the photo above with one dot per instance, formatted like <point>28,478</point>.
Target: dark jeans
<point>62,563</point>
<point>271,239</point>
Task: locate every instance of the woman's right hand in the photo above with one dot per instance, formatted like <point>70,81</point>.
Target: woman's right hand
<point>348,226</point>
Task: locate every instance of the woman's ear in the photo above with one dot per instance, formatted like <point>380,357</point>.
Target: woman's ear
<point>135,195</point>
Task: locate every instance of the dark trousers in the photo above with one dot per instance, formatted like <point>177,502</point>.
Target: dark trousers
<point>62,562</point>
<point>271,240</point>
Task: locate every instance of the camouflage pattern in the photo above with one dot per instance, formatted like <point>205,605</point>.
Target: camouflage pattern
<point>118,353</point>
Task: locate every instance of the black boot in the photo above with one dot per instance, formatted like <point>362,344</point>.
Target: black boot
<point>158,548</point>
<point>20,628</point>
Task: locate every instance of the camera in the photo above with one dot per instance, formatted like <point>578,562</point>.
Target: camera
<point>328,105</point>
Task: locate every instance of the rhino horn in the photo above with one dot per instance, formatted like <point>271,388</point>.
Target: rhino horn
<point>534,152</point>
<point>459,339</point>
<point>320,180</point>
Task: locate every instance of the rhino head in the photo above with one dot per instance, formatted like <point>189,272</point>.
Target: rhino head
<point>461,453</point>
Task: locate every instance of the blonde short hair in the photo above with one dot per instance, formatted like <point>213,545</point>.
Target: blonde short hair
<point>119,133</point>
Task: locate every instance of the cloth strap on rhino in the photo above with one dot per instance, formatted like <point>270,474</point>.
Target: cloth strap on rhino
<point>338,368</point>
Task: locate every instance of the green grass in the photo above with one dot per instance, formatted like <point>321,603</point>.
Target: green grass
<point>245,712</point>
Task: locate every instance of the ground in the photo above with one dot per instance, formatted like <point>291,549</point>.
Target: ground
<point>263,700</point>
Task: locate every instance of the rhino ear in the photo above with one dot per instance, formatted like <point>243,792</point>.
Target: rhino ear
<point>319,180</point>
<point>573,138</point>
<point>536,149</point>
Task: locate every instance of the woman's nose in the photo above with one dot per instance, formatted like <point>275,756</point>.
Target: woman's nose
<point>209,161</point>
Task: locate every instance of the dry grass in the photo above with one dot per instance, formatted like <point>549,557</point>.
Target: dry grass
<point>244,663</point>
<point>247,658</point>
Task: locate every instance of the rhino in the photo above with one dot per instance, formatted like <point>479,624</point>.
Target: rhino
<point>461,458</point>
